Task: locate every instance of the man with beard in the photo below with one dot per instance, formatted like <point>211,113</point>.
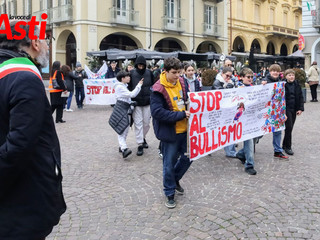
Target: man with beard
<point>31,199</point>
<point>141,114</point>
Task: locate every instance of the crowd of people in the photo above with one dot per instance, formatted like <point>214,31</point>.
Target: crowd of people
<point>163,98</point>
<point>31,198</point>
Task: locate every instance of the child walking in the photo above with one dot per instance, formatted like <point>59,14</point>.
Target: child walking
<point>119,119</point>
<point>294,107</point>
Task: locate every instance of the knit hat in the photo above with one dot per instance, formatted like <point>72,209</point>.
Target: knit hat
<point>78,64</point>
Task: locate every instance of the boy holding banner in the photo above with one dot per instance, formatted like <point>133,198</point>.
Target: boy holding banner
<point>246,154</point>
<point>272,77</point>
<point>168,110</point>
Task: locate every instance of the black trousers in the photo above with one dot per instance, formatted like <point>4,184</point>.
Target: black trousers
<point>291,118</point>
<point>313,89</point>
<point>59,111</point>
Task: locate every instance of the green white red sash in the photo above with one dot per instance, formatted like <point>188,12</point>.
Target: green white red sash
<point>16,65</point>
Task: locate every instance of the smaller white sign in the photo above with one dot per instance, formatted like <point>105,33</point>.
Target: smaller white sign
<point>100,91</point>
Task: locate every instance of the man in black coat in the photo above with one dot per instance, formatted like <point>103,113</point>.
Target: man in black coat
<point>31,199</point>
<point>141,114</point>
<point>80,73</point>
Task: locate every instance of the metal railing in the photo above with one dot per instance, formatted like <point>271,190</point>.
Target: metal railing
<point>211,29</point>
<point>62,13</point>
<point>39,13</point>
<point>173,24</point>
<point>57,14</point>
<point>316,18</point>
<point>124,16</point>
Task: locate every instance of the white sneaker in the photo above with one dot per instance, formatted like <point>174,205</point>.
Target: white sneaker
<point>69,110</point>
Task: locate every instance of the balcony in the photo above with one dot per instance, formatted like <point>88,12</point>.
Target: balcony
<point>315,18</point>
<point>57,14</point>
<point>211,29</point>
<point>39,13</point>
<point>213,1</point>
<point>173,24</point>
<point>124,16</point>
<point>281,31</point>
<point>62,14</point>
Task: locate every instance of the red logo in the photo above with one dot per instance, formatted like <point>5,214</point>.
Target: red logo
<point>4,19</point>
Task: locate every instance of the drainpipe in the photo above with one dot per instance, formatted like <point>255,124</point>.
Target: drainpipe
<point>193,27</point>
<point>150,29</point>
<point>230,27</point>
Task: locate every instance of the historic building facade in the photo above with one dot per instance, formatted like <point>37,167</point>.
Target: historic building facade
<point>79,26</point>
<point>267,27</point>
<point>310,31</point>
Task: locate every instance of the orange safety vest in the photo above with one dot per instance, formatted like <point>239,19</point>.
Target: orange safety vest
<point>51,89</point>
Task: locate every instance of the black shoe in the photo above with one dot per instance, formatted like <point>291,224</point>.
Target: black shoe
<point>140,150</point>
<point>316,100</point>
<point>179,189</point>
<point>145,144</point>
<point>312,100</point>
<point>242,159</point>
<point>288,151</point>
<point>126,152</point>
<point>251,171</point>
<point>120,150</point>
<point>281,155</point>
<point>60,121</point>
<point>170,202</point>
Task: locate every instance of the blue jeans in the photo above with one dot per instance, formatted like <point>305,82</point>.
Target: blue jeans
<point>79,96</point>
<point>174,167</point>
<point>247,152</point>
<point>69,100</point>
<point>230,150</point>
<point>277,142</point>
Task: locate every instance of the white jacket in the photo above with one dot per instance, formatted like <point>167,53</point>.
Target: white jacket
<point>123,94</point>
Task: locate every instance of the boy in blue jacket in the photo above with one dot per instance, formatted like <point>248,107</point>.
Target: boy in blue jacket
<point>168,110</point>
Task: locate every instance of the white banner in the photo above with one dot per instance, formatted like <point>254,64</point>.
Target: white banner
<point>99,75</point>
<point>99,91</point>
<point>223,117</point>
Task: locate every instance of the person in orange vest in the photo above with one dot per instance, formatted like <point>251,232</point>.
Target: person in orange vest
<point>55,93</point>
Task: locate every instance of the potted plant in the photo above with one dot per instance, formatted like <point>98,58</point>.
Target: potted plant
<point>300,76</point>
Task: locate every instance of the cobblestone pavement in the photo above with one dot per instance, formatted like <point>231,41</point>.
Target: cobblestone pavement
<point>112,198</point>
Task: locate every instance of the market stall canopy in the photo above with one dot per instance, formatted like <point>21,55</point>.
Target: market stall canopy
<point>297,54</point>
<point>117,54</point>
<point>186,56</point>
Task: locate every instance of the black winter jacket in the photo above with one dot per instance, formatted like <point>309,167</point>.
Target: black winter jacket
<point>119,119</point>
<point>270,79</point>
<point>143,98</point>
<point>31,200</point>
<point>69,79</point>
<point>112,74</point>
<point>80,76</point>
<point>294,98</point>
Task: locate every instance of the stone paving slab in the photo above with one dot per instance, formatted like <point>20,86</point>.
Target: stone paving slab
<point>112,198</point>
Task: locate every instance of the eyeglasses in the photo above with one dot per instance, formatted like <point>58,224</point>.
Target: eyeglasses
<point>228,76</point>
<point>47,41</point>
<point>229,65</point>
<point>249,77</point>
